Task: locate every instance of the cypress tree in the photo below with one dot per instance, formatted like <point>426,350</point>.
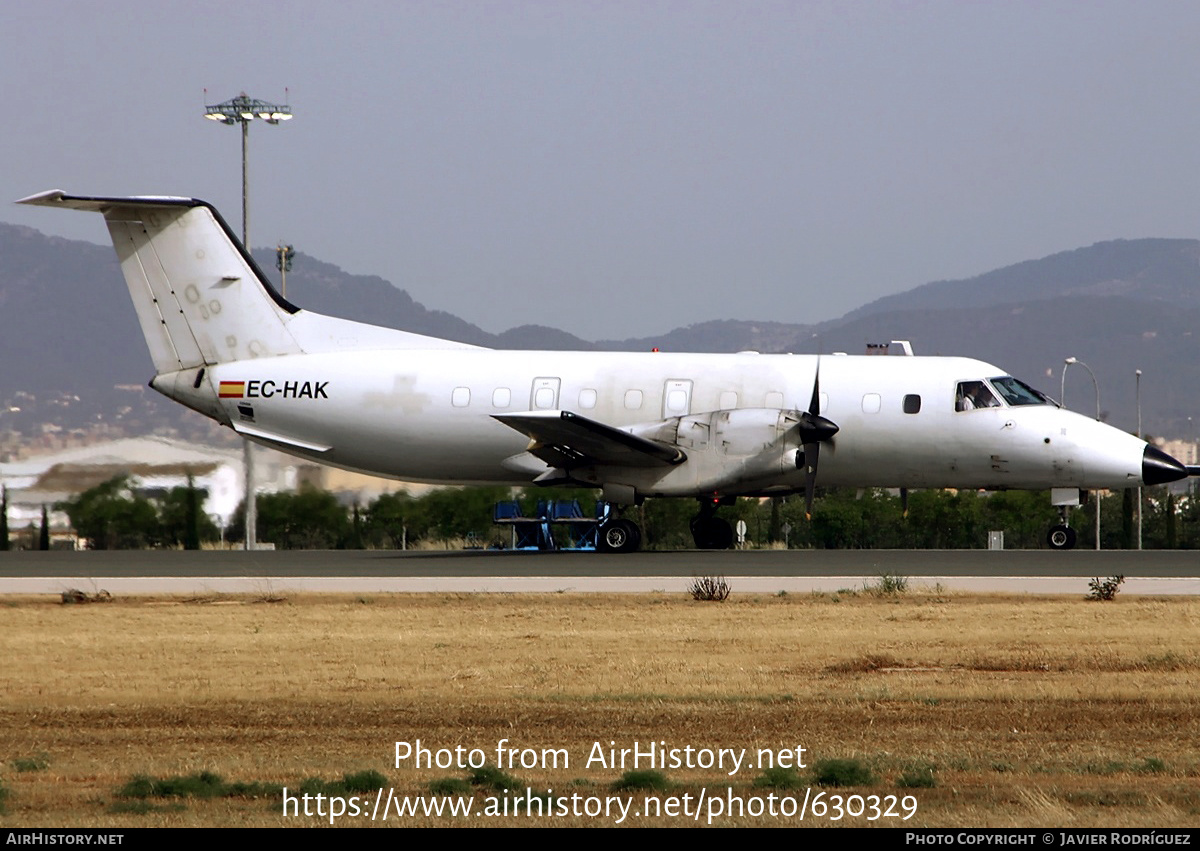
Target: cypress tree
<point>775,528</point>
<point>191,520</point>
<point>1127,502</point>
<point>356,530</point>
<point>44,538</point>
<point>3,518</point>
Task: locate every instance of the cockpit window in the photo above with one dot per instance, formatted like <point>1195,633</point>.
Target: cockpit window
<point>974,394</point>
<point>1018,392</point>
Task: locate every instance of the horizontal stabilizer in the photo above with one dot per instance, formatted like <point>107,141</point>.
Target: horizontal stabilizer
<point>98,204</point>
<point>564,439</point>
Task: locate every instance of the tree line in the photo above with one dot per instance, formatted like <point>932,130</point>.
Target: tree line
<point>118,515</point>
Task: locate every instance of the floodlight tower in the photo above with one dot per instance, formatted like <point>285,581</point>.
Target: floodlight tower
<point>242,110</point>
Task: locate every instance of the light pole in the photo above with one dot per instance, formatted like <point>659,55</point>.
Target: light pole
<point>1138,377</point>
<point>284,255</point>
<point>1192,434</point>
<point>1062,396</point>
<point>242,110</point>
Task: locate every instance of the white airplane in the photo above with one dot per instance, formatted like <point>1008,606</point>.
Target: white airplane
<point>635,425</point>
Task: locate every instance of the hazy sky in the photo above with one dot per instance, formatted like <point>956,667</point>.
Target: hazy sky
<point>624,168</point>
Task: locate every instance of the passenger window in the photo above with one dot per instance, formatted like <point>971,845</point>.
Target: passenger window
<point>974,394</point>
<point>870,403</point>
<point>677,402</point>
<point>774,400</point>
<point>912,404</point>
<point>728,400</point>
<point>501,397</point>
<point>461,397</point>
<point>587,399</point>
<point>543,398</point>
<point>633,399</point>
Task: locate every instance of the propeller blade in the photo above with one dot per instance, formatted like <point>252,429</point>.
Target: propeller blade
<point>810,476</point>
<point>813,430</point>
<point>814,405</point>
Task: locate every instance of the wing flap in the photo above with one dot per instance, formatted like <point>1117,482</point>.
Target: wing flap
<point>565,439</point>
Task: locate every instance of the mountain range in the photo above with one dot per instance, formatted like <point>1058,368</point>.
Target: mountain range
<point>66,324</point>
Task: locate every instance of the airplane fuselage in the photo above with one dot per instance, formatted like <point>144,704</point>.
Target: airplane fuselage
<point>429,416</point>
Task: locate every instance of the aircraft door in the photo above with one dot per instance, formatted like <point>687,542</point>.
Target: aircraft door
<point>544,394</point>
<point>677,398</point>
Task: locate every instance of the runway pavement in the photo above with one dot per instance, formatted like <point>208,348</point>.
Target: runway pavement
<point>758,571</point>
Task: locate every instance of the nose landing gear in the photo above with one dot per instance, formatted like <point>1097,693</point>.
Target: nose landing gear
<point>1062,536</point>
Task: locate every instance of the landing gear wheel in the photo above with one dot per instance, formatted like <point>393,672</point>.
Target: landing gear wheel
<point>712,533</point>
<point>1061,538</point>
<point>620,536</point>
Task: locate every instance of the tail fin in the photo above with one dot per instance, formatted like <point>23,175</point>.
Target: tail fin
<point>199,296</point>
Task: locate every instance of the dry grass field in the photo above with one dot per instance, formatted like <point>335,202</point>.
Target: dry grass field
<point>988,710</point>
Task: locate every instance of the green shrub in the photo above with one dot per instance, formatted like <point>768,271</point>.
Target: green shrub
<point>450,786</point>
<point>842,772</point>
<point>779,778</point>
<point>917,777</point>
<point>888,585</point>
<point>141,808</point>
<point>33,763</point>
<point>490,777</point>
<point>648,779</point>
<point>206,784</point>
<point>364,781</point>
<point>709,588</point>
<point>1105,589</point>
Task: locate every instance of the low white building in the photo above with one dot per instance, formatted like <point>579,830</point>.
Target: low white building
<point>159,464</point>
<point>154,463</point>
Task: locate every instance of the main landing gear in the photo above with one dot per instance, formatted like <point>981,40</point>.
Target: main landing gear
<point>618,535</point>
<point>709,531</point>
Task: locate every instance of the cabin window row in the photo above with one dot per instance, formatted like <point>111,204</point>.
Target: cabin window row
<point>545,398</point>
<point>676,403</point>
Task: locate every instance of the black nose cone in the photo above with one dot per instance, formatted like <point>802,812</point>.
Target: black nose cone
<point>814,427</point>
<point>1158,467</point>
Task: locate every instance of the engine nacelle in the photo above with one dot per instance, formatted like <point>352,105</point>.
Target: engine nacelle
<point>751,431</point>
<point>729,448</point>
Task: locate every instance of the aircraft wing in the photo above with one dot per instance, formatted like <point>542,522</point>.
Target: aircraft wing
<point>564,439</point>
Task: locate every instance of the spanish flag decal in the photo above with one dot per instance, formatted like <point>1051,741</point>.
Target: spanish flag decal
<point>232,390</point>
